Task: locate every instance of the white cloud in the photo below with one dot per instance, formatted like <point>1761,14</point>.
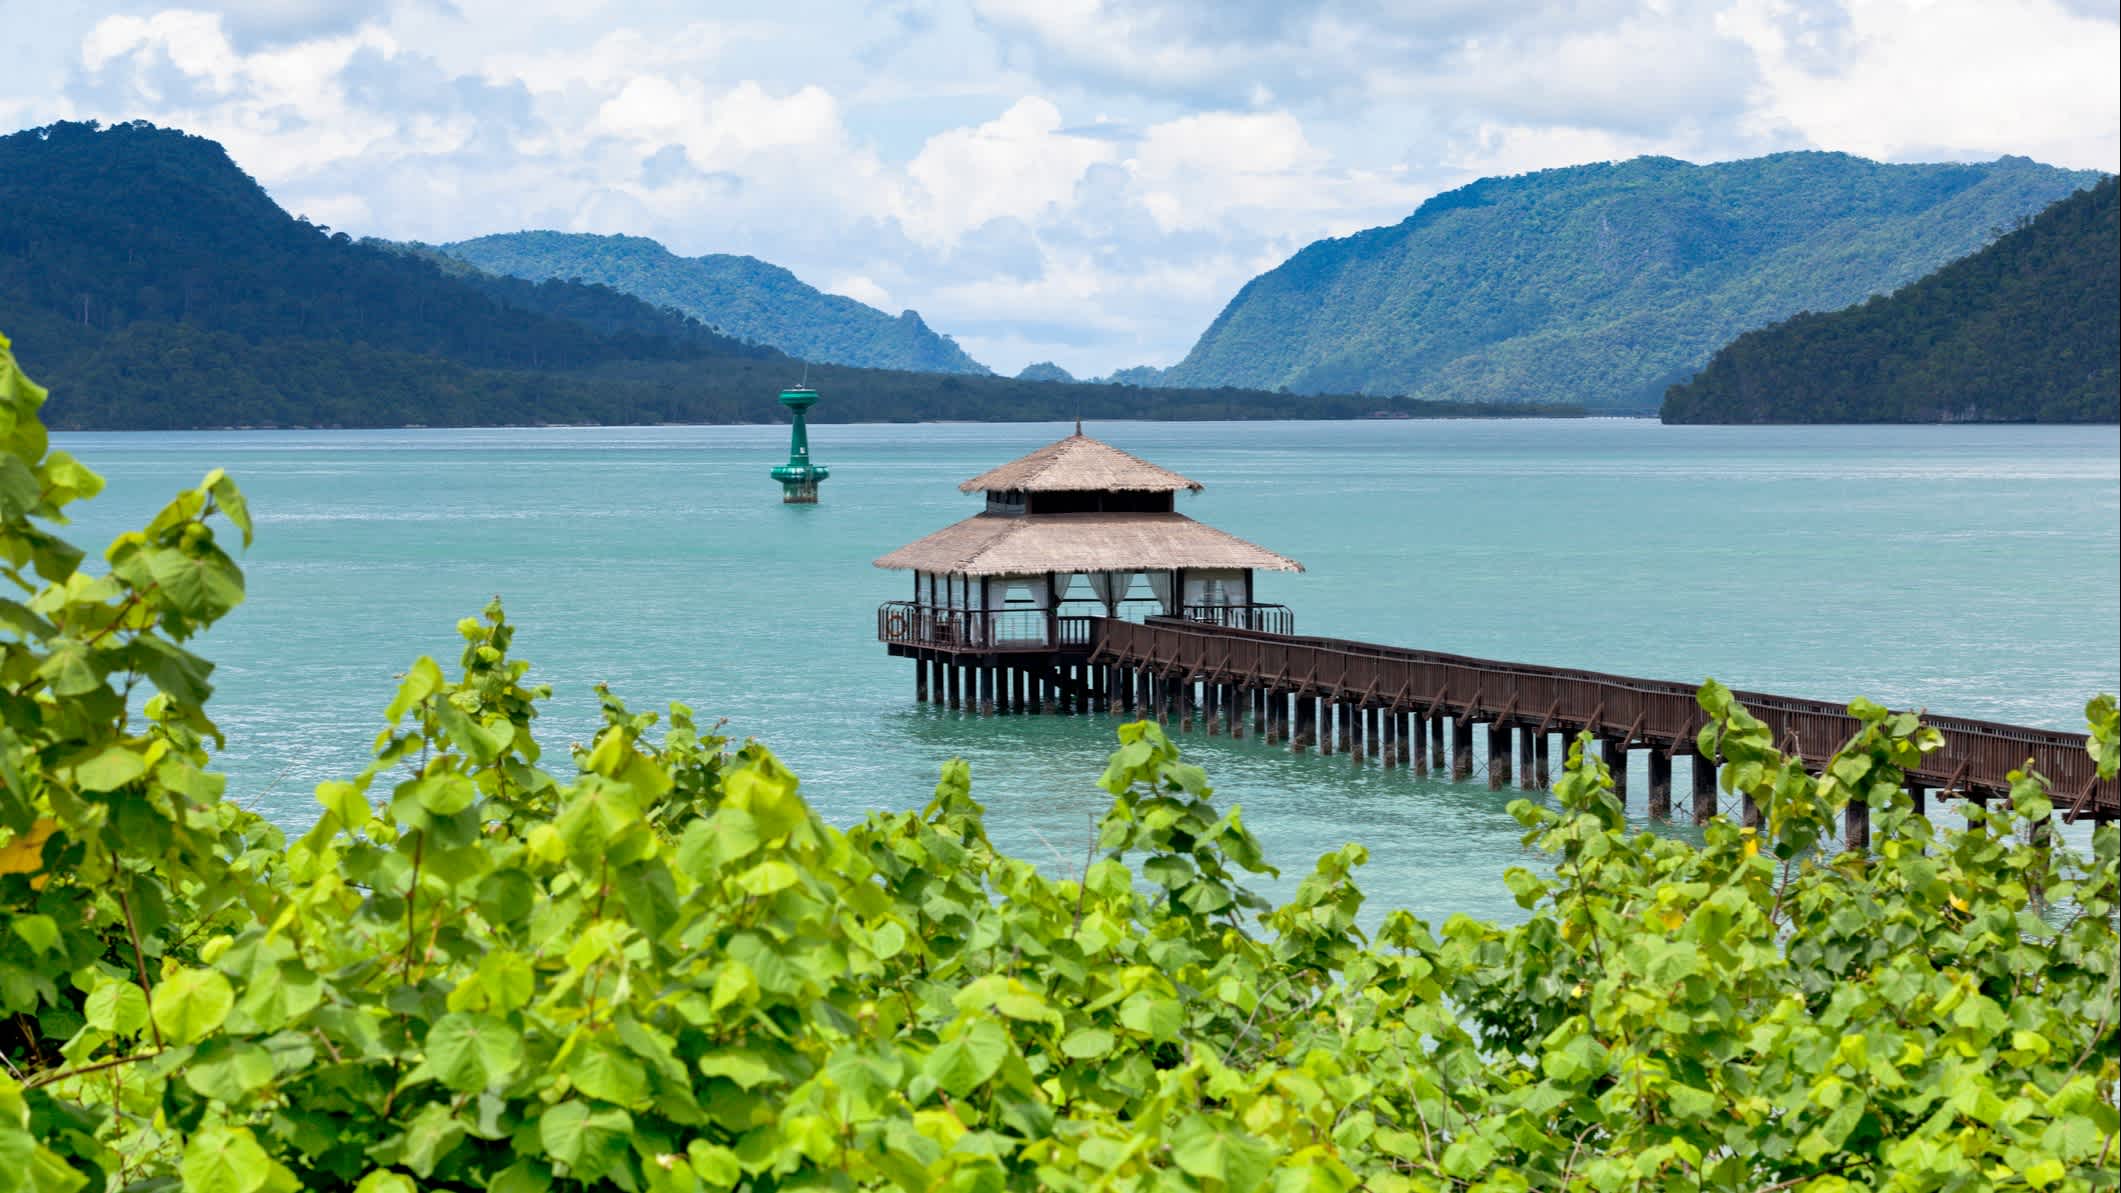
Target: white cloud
<point>860,289</point>
<point>1018,165</point>
<point>1947,77</point>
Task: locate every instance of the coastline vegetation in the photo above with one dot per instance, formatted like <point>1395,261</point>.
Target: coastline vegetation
<point>647,965</point>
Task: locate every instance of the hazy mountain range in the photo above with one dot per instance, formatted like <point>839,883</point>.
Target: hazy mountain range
<point>2028,328</point>
<point>1603,284</point>
<point>738,296</point>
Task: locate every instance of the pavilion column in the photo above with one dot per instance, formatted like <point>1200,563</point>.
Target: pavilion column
<point>1525,779</point>
<point>1704,780</point>
<point>1660,784</point>
<point>1461,747</point>
<point>1498,755</point>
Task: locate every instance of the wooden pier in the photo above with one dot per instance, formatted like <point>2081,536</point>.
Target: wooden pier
<point>1429,711</point>
<point>1169,628</point>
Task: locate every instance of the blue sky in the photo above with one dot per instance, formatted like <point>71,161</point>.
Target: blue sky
<point>1085,181</point>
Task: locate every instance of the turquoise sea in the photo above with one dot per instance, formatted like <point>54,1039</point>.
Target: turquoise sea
<point>1969,570</point>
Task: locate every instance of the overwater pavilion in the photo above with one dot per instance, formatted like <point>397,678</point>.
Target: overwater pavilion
<point>1003,602</point>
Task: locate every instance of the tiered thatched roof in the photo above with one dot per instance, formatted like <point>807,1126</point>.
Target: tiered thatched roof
<point>1079,464</point>
<point>997,545</point>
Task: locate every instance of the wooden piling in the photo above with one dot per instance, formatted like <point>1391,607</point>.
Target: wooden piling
<point>920,680</point>
<point>1387,748</point>
<point>1749,813</point>
<point>1418,738</point>
<point>1525,776</point>
<point>1437,756</point>
<point>1461,747</point>
<point>1306,723</point>
<point>1402,725</point>
<point>1919,796</point>
<point>1704,781</point>
<point>1498,755</point>
<point>1660,785</point>
<point>1856,826</point>
<point>1326,710</point>
<point>1616,760</point>
<point>956,685</point>
<point>1543,761</point>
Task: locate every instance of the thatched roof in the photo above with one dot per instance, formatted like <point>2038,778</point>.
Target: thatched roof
<point>997,545</point>
<point>1080,463</point>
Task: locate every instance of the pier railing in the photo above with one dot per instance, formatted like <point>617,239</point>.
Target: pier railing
<point>1976,760</point>
<point>1271,619</point>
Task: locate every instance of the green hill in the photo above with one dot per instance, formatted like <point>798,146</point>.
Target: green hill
<point>153,285</point>
<point>2026,330</point>
<point>1603,284</point>
<point>739,296</point>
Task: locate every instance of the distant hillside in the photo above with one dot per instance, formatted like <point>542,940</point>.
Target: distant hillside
<point>1044,370</point>
<point>1603,284</point>
<point>739,296</point>
<point>2026,330</point>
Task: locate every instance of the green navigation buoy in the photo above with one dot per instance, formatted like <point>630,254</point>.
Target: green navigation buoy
<point>799,477</point>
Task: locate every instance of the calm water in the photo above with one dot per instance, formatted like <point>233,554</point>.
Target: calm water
<point>1969,570</point>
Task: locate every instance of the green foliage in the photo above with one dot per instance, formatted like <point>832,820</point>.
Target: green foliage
<point>738,296</point>
<point>2026,330</point>
<point>1603,284</point>
<point>650,967</point>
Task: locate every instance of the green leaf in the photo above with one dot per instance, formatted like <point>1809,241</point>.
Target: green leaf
<point>1157,1018</point>
<point>471,1052</point>
<point>190,1003</point>
<point>1087,1043</point>
<point>1213,1151</point>
<point>963,1064</point>
<point>224,1160</point>
<point>202,587</point>
<point>40,932</point>
<point>607,1074</point>
<point>111,768</point>
<point>588,1143</point>
<point>117,1007</point>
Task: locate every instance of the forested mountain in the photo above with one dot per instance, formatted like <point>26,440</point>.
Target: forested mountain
<point>2026,330</point>
<point>739,296</point>
<point>1044,370</point>
<point>153,285</point>
<point>1603,284</point>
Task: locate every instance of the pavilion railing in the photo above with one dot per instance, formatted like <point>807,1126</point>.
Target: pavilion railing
<point>911,623</point>
<point>1268,619</point>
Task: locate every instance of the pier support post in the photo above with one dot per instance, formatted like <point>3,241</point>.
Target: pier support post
<point>1749,814</point>
<point>1436,752</point>
<point>1704,789</point>
<point>1498,755</point>
<point>1418,741</point>
<point>1306,722</point>
<point>1856,826</point>
<point>1616,760</point>
<point>1919,796</point>
<point>1461,747</point>
<point>1660,785</point>
<point>1543,762</point>
<point>920,680</point>
<point>1524,757</point>
<point>1325,727</point>
<point>1402,724</point>
<point>956,685</point>
<point>1373,732</point>
<point>1185,704</point>
<point>1212,694</point>
<point>1388,749</point>
<point>1258,700</point>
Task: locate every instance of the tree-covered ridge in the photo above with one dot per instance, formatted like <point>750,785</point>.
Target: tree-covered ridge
<point>1603,284</point>
<point>739,296</point>
<point>648,966</point>
<point>109,228</point>
<point>2026,330</point>
<point>161,288</point>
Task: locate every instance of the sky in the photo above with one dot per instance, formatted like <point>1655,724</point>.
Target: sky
<point>1082,181</point>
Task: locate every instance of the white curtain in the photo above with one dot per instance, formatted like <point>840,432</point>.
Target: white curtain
<point>1160,584</point>
<point>1109,587</point>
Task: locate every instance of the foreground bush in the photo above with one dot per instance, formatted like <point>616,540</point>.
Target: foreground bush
<point>651,967</point>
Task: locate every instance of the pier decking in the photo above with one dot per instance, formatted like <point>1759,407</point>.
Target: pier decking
<point>1419,708</point>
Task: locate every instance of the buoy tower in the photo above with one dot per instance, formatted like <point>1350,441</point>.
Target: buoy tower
<point>799,477</point>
